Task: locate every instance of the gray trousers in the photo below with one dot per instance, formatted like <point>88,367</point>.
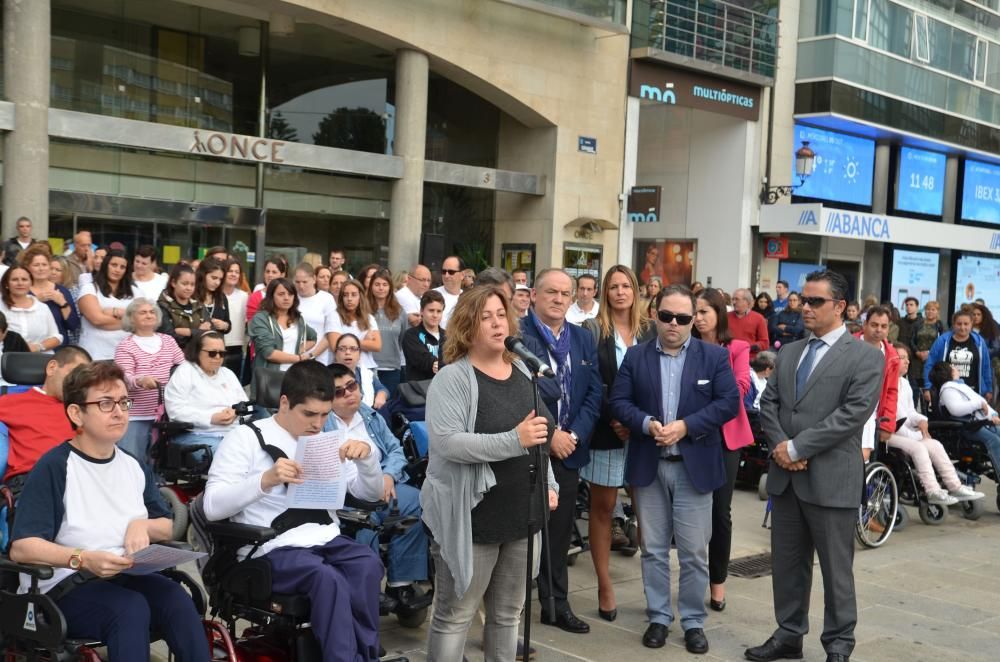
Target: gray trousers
<point>798,530</point>
<point>498,579</point>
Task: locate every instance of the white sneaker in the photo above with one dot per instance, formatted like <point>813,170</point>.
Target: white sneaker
<point>941,498</point>
<point>966,493</point>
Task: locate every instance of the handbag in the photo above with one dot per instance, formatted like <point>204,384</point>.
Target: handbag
<point>414,394</point>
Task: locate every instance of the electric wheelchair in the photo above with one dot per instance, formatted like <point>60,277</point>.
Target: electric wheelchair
<point>972,460</point>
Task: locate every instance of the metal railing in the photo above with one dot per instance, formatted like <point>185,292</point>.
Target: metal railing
<point>712,31</point>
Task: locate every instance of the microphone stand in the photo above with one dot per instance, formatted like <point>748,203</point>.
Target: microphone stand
<point>535,466</point>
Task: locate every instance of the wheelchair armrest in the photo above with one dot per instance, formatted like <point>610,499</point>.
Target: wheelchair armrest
<point>173,427</point>
<point>246,533</point>
<point>42,572</point>
<point>944,425</point>
<point>176,544</point>
<point>351,501</point>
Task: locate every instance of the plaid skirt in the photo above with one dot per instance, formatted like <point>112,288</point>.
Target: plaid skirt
<point>607,468</point>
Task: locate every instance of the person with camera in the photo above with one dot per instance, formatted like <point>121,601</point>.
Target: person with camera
<point>203,392</point>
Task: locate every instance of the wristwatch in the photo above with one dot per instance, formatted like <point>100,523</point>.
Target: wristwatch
<point>574,437</point>
<point>76,559</point>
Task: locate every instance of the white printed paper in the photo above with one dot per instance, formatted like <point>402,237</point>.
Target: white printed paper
<point>159,557</point>
<point>323,483</point>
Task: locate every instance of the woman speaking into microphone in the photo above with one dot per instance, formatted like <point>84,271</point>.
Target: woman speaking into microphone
<point>481,497</point>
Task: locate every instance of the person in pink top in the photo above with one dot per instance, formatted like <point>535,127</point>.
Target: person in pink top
<point>711,325</point>
<point>146,357</point>
<point>746,324</point>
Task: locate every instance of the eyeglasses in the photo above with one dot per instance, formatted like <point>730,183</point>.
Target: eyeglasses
<point>342,391</point>
<point>667,317</point>
<point>107,405</point>
<point>419,280</point>
<point>450,272</point>
<point>348,350</point>
<point>815,302</point>
<point>215,353</point>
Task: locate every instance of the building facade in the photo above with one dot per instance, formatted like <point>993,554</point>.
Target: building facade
<point>491,129</point>
<point>900,100</point>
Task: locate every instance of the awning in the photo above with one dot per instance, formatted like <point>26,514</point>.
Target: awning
<point>816,219</point>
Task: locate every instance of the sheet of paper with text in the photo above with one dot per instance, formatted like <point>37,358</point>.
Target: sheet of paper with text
<point>323,475</point>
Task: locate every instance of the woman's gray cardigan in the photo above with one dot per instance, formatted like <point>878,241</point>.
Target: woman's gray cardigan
<point>458,471</point>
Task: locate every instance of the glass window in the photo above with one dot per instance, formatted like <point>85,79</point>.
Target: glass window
<point>963,54</point>
<point>891,28</point>
<point>461,126</point>
<point>982,47</point>
<point>465,217</point>
<point>861,10</point>
<point>921,45</point>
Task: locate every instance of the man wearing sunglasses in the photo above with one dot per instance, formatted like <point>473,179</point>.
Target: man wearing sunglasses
<point>820,395</point>
<point>451,276</point>
<point>407,552</point>
<point>674,393</point>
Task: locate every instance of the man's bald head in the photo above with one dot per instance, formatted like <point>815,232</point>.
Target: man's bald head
<point>419,280</point>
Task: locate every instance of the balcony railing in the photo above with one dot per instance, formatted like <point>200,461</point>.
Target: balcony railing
<point>720,33</point>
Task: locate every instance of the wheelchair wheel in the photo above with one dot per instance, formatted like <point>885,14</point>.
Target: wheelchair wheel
<point>877,513</point>
<point>762,487</point>
<point>632,531</point>
<point>902,518</point>
<point>179,510</point>
<point>972,510</point>
<point>412,619</point>
<point>932,514</point>
<point>998,501</point>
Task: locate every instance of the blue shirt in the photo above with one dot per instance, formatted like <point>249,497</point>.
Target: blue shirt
<point>671,370</point>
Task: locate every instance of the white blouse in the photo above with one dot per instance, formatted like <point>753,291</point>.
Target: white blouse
<point>34,323</point>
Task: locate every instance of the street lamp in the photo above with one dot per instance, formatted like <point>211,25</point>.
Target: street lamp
<point>805,163</point>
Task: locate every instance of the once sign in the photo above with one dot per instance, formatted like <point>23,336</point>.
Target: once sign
<point>238,147</point>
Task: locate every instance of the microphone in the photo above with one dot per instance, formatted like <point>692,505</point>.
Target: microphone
<point>535,364</point>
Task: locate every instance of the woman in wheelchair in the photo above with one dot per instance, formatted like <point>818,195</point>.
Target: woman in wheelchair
<point>202,392</point>
<point>84,509</point>
<point>913,438</point>
<point>957,400</point>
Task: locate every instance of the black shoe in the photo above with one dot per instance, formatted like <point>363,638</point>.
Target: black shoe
<point>520,656</point>
<point>717,605</point>
<point>772,649</point>
<point>566,620</point>
<point>695,641</point>
<point>838,657</point>
<point>655,636</point>
<point>408,597</point>
<point>608,615</point>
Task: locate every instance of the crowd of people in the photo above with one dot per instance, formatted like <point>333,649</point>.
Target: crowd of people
<point>649,389</point>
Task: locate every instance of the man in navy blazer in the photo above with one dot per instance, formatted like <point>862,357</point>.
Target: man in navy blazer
<point>674,393</point>
<point>576,406</point>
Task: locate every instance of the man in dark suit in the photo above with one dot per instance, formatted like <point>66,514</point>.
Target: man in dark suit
<point>674,393</point>
<point>813,410</point>
<point>571,354</point>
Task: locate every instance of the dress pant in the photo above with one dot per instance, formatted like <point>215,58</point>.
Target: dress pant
<point>798,530</point>
<point>722,521</point>
<point>408,552</point>
<point>561,522</point>
<point>671,508</point>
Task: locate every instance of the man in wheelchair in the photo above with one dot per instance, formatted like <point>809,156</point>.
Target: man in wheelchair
<point>309,556</point>
<point>407,552</point>
<point>36,421</point>
<point>85,508</point>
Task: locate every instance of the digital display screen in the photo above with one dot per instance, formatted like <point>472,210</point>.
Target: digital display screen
<point>914,274</point>
<point>977,278</point>
<point>844,166</point>
<point>794,273</point>
<point>920,187</point>
<point>981,192</point>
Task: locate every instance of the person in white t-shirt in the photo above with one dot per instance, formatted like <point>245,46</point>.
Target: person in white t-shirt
<point>318,309</point>
<point>586,306</point>
<point>451,276</point>
<point>249,485</point>
<point>235,288</point>
<point>102,304</point>
<point>418,281</point>
<point>353,316</point>
<point>25,314</point>
<point>147,281</point>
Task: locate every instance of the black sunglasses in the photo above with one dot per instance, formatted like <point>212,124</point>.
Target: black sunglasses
<point>815,302</point>
<point>450,272</point>
<point>341,391</point>
<point>215,353</point>
<point>667,317</point>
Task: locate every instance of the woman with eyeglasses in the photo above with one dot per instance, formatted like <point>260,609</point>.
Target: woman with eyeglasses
<point>392,324</point>
<point>347,351</point>
<point>711,325</point>
<point>146,358</point>
<point>620,324</point>
<point>85,509</point>
<point>202,392</point>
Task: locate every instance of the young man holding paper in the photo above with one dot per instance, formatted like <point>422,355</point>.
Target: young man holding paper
<point>248,485</point>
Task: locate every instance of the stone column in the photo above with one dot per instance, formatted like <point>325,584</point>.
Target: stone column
<point>625,230</point>
<point>26,55</point>
<point>406,216</point>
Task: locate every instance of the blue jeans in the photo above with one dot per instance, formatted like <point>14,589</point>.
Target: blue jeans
<point>136,439</point>
<point>408,552</point>
<point>390,380</point>
<point>670,507</point>
<point>989,436</point>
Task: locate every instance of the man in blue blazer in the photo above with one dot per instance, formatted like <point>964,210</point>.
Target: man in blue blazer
<point>570,352</point>
<point>674,393</point>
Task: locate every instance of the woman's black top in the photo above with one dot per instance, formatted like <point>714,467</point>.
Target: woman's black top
<point>503,514</point>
